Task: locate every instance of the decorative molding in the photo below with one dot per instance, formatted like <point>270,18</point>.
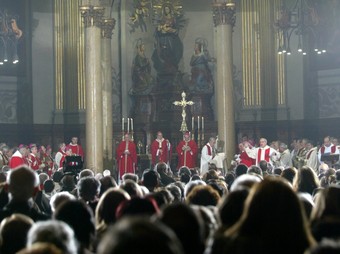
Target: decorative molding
<point>107,27</point>
<point>92,15</point>
<point>224,14</point>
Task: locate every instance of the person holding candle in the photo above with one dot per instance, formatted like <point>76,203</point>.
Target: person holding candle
<point>160,150</point>
<point>126,156</point>
<point>187,152</point>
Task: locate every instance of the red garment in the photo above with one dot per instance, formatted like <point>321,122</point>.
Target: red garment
<point>160,151</point>
<point>187,158</point>
<point>76,149</point>
<point>17,160</point>
<point>266,155</point>
<point>34,162</point>
<point>246,160</point>
<point>333,149</point>
<point>126,162</point>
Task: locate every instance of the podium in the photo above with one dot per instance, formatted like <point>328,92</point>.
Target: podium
<point>330,159</point>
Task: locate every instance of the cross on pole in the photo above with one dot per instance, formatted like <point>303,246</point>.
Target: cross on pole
<point>183,103</point>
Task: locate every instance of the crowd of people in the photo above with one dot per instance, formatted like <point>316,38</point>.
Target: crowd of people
<point>270,201</point>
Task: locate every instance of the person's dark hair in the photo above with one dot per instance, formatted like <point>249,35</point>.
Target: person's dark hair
<point>306,180</point>
<point>106,183</point>
<point>263,165</point>
<point>55,232</point>
<point>108,204</point>
<point>289,174</point>
<point>3,177</point>
<point>184,178</point>
<point>210,175</point>
<point>85,173</point>
<point>190,185</point>
<point>88,188</point>
<point>254,170</point>
<point>80,218</point>
<point>49,186</point>
<point>188,227</point>
<point>231,207</point>
<point>150,179</point>
<point>137,207</point>
<point>162,196</point>
<point>241,169</point>
<point>184,170</point>
<point>13,233</point>
<point>68,183</point>
<point>57,176</point>
<point>175,191</point>
<point>203,195</point>
<point>132,188</point>
<point>229,179</point>
<point>272,206</point>
<point>130,176</point>
<point>327,204</point>
<point>138,235</point>
<point>180,185</point>
<point>277,171</point>
<point>161,168</point>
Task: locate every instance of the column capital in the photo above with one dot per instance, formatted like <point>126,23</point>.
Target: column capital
<point>224,13</point>
<point>107,25</point>
<point>92,15</point>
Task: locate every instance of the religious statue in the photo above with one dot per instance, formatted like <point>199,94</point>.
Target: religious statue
<point>142,80</point>
<point>201,77</point>
<point>137,19</point>
<point>168,46</point>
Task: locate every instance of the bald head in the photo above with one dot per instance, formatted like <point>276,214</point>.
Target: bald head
<point>22,183</point>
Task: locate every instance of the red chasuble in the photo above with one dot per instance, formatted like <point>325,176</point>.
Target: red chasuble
<point>187,158</point>
<point>126,162</point>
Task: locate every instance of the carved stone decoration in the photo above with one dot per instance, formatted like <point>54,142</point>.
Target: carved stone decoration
<point>92,15</point>
<point>224,13</point>
<point>107,27</point>
<point>8,106</point>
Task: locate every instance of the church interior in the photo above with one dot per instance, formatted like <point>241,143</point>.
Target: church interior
<point>97,69</point>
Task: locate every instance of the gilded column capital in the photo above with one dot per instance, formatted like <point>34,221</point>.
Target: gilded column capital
<point>107,25</point>
<point>92,15</point>
<point>224,13</point>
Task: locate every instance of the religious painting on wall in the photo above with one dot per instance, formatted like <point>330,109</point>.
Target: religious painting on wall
<point>327,34</point>
<point>139,14</point>
<point>13,37</point>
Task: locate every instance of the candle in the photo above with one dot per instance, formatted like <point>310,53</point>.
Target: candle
<point>192,124</point>
<point>123,124</point>
<point>198,123</point>
<point>131,124</point>
<point>202,122</point>
<point>128,125</point>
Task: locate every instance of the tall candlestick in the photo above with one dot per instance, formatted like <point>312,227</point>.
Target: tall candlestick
<point>192,124</point>
<point>128,125</point>
<point>131,124</point>
<point>123,124</point>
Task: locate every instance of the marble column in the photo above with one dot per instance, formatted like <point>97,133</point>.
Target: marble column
<point>224,20</point>
<point>92,17</point>
<point>107,27</point>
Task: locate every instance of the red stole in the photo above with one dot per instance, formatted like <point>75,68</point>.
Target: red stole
<point>266,154</point>
<point>333,148</point>
<point>209,150</point>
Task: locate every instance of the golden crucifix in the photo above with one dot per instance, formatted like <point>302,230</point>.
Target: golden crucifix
<point>183,103</point>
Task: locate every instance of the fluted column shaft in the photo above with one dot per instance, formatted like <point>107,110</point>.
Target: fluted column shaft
<point>224,20</point>
<point>92,16</point>
<point>107,27</point>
